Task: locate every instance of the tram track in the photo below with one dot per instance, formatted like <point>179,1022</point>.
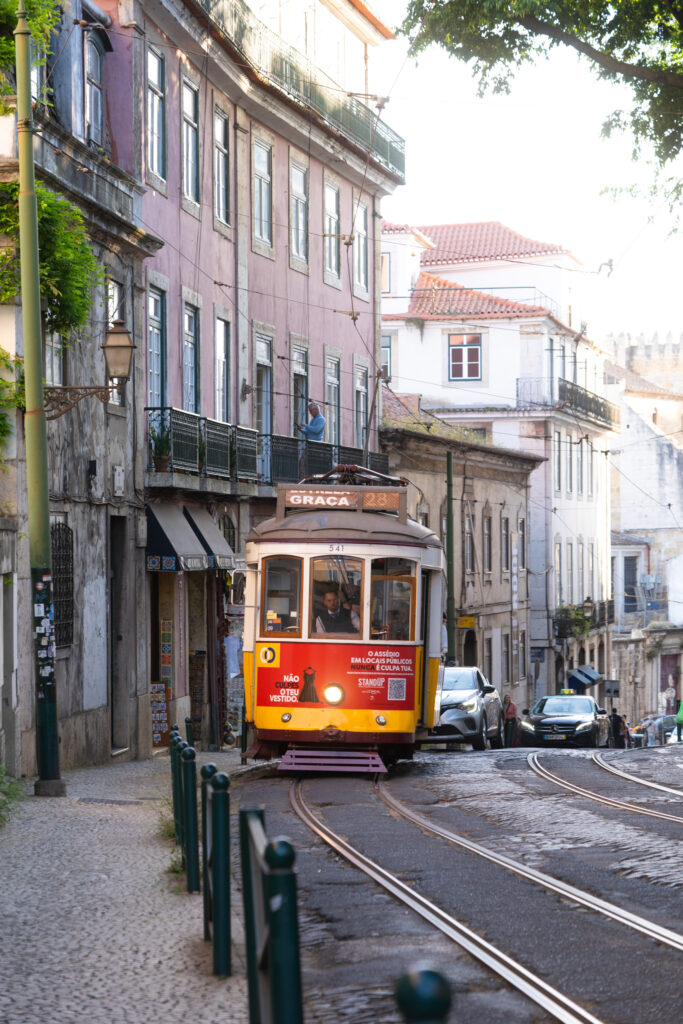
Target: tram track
<point>605,801</point>
<point>555,1003</point>
<point>620,773</point>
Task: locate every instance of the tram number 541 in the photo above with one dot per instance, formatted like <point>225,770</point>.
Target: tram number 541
<point>335,548</point>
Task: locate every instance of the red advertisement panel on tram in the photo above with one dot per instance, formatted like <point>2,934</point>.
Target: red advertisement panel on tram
<point>369,677</point>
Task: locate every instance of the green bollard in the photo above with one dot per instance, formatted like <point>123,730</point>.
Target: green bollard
<point>207,772</point>
<point>284,965</point>
<point>248,884</point>
<point>220,872</point>
<point>189,732</point>
<point>180,746</point>
<point>423,995</point>
<point>190,822</point>
<point>175,783</point>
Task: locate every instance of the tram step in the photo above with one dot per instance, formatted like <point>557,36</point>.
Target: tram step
<point>307,760</point>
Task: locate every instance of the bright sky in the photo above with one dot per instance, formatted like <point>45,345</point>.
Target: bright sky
<point>535,161</point>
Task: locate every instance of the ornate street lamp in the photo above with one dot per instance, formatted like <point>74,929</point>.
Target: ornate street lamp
<point>118,354</point>
<point>588,608</point>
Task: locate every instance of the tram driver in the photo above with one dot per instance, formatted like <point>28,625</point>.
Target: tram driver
<point>335,617</point>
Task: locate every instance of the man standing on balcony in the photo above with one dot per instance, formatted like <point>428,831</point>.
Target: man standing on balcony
<point>314,430</point>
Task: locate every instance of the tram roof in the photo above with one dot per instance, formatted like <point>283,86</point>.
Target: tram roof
<point>311,526</point>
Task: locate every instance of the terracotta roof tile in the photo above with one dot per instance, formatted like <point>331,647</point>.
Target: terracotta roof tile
<point>482,242</point>
<point>406,229</point>
<point>436,299</point>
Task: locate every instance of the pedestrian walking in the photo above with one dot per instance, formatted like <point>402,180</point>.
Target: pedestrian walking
<point>510,716</point>
<point>650,730</point>
<point>616,725</point>
<point>679,721</point>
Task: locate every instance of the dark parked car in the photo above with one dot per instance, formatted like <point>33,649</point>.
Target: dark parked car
<point>471,709</point>
<point>564,718</point>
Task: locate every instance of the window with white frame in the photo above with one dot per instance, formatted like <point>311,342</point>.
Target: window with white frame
<point>190,358</point>
<point>115,311</point>
<point>589,471</point>
<point>263,192</point>
<point>487,544</point>
<point>222,369</point>
<point>558,460</point>
<point>581,571</point>
<point>591,570</point>
<point>190,100</point>
<point>156,113</point>
<point>298,211</point>
<point>299,387</point>
<point>570,463</point>
<point>558,574</point>
<point>333,399</point>
<point>221,166</point>
<point>94,60</point>
<point>506,658</point>
<point>579,466</point>
<point>54,360</point>
<point>464,356</point>
<point>505,543</point>
<point>332,230</point>
<point>37,72</point>
<point>386,357</point>
<point>469,544</point>
<point>360,247</point>
<point>156,347</point>
<point>360,403</point>
<point>570,573</point>
<point>521,527</point>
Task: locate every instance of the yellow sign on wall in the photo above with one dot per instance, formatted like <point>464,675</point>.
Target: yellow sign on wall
<point>465,622</point>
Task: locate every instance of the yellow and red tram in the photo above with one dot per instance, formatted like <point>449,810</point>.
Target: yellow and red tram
<point>342,626</point>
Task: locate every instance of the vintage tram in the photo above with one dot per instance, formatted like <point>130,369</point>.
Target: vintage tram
<point>342,625</point>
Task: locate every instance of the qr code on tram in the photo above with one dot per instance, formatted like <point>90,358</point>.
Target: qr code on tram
<point>396,689</point>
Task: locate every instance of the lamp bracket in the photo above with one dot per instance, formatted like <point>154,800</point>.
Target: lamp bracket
<point>59,400</point>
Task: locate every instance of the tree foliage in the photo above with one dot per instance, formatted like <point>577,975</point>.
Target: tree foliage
<point>68,268</point>
<point>639,42</point>
<point>43,17</point>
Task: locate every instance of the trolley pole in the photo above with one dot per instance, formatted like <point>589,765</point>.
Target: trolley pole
<point>450,562</point>
<point>49,782</point>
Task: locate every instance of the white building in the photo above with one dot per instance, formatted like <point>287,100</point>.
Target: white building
<point>511,369</point>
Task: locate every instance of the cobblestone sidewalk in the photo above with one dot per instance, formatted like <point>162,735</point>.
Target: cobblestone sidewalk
<point>94,929</point>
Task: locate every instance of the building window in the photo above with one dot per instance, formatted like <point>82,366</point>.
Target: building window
<point>156,347</point>
<point>579,467</point>
<point>558,574</point>
<point>570,572</point>
<point>94,59</point>
<point>522,543</point>
<point>558,460</point>
<point>522,654</point>
<point>190,358</point>
<point>227,528</point>
<point>332,239</point>
<point>570,463</point>
<point>156,113</point>
<point>190,142</point>
<point>37,72</point>
<point>360,406</point>
<point>115,311</point>
<point>505,543</point>
<point>54,359</point>
<point>506,658</point>
<point>386,357</point>
<point>591,570</point>
<point>589,471</point>
<point>360,247</point>
<point>581,573</point>
<point>385,272</point>
<point>298,198</point>
<point>62,543</point>
<point>222,370</point>
<point>221,166</point>
<point>299,387</point>
<point>333,398</point>
<point>263,196</point>
<point>469,544</point>
<point>487,544</point>
<point>630,580</point>
<point>488,658</point>
<point>464,356</point>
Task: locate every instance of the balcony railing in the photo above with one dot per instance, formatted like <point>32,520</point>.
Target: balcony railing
<point>560,393</point>
<point>571,620</point>
<point>179,441</point>
<point>288,70</point>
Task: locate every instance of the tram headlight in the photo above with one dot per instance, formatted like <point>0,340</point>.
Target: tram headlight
<point>381,720</point>
<point>286,717</point>
<point>333,694</point>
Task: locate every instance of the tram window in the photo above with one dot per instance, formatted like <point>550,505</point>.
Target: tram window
<point>392,599</point>
<point>281,605</point>
<point>336,588</point>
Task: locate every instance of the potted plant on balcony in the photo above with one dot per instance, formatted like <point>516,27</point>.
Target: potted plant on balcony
<point>160,439</point>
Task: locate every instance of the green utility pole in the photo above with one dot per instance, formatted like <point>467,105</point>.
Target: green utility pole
<point>450,560</point>
<point>49,782</point>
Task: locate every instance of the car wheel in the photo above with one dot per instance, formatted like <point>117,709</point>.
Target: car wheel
<point>479,742</point>
<point>498,740</point>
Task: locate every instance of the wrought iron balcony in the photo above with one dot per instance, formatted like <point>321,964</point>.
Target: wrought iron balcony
<point>571,621</point>
<point>182,442</point>
<point>564,394</point>
<point>292,73</point>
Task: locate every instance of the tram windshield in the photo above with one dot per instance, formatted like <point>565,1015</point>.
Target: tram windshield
<point>336,588</point>
<point>392,599</point>
<point>281,606</point>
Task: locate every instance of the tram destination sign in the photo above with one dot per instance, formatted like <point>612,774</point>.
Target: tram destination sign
<point>374,498</point>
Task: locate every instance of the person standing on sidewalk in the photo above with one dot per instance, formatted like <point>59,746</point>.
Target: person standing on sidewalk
<point>510,715</point>
<point>679,721</point>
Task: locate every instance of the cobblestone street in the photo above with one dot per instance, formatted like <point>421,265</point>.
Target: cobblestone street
<point>95,929</point>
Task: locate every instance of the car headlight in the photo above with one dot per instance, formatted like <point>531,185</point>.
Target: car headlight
<point>584,727</point>
<point>333,694</point>
<point>468,705</point>
<point>527,726</point>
